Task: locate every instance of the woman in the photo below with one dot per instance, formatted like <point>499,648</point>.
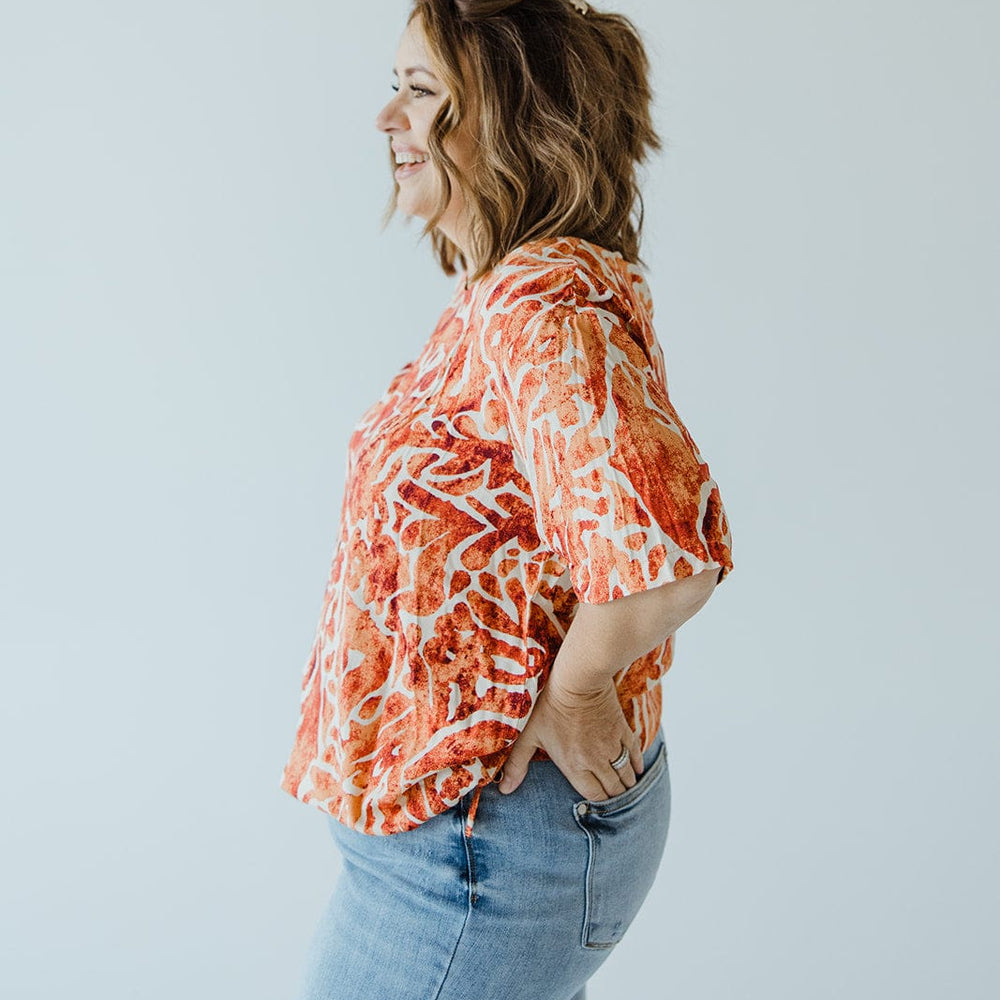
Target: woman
<point>526,523</point>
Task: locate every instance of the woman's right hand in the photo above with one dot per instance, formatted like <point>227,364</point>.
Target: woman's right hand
<point>582,732</point>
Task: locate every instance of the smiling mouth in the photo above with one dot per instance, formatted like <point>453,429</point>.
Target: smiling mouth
<point>406,169</point>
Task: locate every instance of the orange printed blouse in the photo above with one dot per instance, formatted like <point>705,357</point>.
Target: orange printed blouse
<point>528,459</point>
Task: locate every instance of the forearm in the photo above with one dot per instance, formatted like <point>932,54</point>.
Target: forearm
<point>605,638</point>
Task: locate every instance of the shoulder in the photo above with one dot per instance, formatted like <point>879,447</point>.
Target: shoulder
<point>553,270</point>
<point>555,276</point>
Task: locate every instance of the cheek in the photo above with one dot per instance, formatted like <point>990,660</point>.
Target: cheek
<point>425,118</point>
<point>462,151</point>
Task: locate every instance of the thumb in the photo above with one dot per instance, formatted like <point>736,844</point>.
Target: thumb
<point>515,767</point>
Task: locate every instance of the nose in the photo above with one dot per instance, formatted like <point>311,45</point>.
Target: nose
<point>390,117</point>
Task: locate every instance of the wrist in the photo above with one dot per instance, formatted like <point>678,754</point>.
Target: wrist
<point>576,686</point>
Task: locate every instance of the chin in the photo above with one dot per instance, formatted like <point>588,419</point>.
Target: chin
<point>414,213</point>
<point>408,204</point>
<point>414,210</point>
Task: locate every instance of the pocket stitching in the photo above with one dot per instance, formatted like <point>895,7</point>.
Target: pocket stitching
<point>588,893</point>
<point>657,765</point>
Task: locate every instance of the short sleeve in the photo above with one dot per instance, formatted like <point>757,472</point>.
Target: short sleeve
<point>621,493</point>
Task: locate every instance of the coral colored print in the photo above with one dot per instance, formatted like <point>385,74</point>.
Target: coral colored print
<point>528,459</point>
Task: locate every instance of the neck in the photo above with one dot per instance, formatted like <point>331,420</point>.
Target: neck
<point>460,239</point>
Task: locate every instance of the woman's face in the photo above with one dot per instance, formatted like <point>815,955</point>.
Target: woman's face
<point>406,119</point>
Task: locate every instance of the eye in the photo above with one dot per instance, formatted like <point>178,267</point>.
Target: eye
<point>419,91</point>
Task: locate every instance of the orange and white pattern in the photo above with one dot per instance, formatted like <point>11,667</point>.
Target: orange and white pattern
<point>528,459</point>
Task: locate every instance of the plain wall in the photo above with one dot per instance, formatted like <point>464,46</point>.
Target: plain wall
<point>196,306</point>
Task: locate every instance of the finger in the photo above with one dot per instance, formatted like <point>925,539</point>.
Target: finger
<point>628,774</point>
<point>617,779</point>
<point>590,787</point>
<point>515,767</point>
<point>588,783</point>
<point>626,777</point>
<point>611,783</point>
<point>638,764</point>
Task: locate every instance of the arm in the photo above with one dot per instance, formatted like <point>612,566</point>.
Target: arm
<point>605,638</point>
<point>620,490</point>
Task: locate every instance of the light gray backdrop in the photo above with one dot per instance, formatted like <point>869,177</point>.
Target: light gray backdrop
<point>197,305</point>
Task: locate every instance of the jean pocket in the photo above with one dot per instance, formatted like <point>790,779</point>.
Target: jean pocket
<point>626,837</point>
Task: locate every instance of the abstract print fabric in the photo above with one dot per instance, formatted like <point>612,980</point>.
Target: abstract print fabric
<point>527,460</point>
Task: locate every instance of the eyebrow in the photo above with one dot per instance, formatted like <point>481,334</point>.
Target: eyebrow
<point>410,70</point>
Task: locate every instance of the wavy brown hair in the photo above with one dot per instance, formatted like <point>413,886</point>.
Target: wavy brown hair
<point>559,104</point>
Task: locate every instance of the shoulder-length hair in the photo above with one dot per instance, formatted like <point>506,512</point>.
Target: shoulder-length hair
<point>561,105</point>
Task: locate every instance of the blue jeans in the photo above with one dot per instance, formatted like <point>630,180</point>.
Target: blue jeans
<point>526,909</point>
